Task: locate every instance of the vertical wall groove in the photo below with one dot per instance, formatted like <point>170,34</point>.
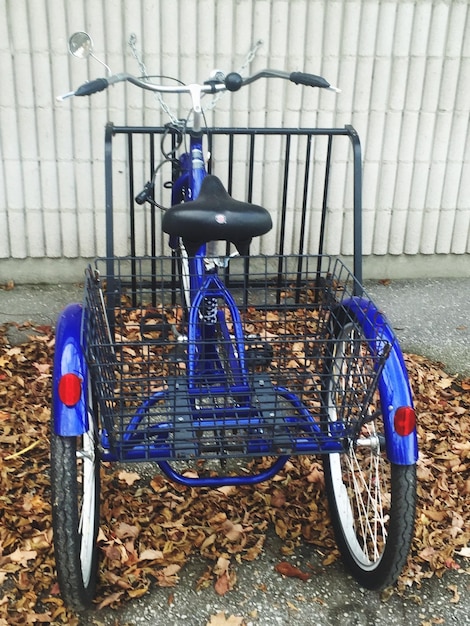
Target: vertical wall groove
<point>403,67</point>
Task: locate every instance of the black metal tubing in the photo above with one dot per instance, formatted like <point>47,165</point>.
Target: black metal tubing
<point>108,167</point>
<point>356,145</point>
<point>154,132</point>
<point>108,164</point>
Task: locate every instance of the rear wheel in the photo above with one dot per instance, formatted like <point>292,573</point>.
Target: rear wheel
<point>372,501</point>
<point>75,515</point>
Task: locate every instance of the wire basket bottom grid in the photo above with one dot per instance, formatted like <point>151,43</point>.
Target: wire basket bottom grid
<point>288,386</point>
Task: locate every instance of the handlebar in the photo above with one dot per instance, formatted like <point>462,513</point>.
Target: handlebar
<point>232,82</point>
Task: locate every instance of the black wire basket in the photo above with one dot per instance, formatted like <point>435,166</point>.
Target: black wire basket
<point>298,376</point>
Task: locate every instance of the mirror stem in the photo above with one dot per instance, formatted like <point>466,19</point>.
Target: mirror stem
<point>108,69</point>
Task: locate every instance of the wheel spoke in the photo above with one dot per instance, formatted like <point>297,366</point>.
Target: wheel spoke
<point>361,483</point>
<point>366,485</point>
<point>362,463</point>
<point>87,504</point>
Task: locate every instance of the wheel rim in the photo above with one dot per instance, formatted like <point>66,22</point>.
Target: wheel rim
<point>360,490</point>
<point>360,477</point>
<point>86,475</point>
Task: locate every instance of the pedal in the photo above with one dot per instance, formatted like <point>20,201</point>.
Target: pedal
<point>257,352</point>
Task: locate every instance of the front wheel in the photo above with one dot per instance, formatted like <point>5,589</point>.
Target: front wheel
<point>75,515</point>
<point>371,500</point>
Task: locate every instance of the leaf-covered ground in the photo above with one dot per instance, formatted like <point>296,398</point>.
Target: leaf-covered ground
<point>150,527</point>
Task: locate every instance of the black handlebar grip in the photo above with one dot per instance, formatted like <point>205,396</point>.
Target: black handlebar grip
<point>300,78</point>
<point>233,81</point>
<point>93,86</point>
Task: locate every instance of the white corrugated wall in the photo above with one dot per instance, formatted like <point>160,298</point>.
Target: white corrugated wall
<point>403,67</point>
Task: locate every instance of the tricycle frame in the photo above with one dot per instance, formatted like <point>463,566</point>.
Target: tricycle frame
<point>353,368</point>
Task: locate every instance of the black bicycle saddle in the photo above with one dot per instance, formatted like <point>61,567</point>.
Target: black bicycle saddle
<point>216,216</point>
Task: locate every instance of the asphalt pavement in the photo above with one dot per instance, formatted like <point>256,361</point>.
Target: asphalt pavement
<point>431,318</point>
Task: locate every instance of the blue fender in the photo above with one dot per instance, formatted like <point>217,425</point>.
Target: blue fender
<point>69,421</point>
<point>394,387</point>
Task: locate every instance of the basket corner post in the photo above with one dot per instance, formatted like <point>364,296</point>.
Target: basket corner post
<point>357,208</point>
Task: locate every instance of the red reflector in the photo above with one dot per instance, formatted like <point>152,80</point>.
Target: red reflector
<point>70,389</point>
<point>405,420</point>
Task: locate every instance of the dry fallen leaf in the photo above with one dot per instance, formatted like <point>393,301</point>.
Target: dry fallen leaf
<point>22,556</point>
<point>151,555</point>
<point>168,576</point>
<point>129,477</point>
<point>149,531</point>
<point>219,619</point>
<point>456,596</point>
<point>232,531</point>
<point>111,599</point>
<point>286,569</point>
<point>226,577</point>
<point>278,498</point>
<point>124,530</point>
<point>222,584</point>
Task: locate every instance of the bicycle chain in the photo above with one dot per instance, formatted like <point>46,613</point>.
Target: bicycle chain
<point>165,108</point>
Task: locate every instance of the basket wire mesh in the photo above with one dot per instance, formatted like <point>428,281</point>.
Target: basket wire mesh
<point>288,372</point>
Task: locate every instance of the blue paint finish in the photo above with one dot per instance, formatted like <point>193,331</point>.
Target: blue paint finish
<point>69,358</point>
<point>212,288</point>
<point>221,481</point>
<point>393,385</point>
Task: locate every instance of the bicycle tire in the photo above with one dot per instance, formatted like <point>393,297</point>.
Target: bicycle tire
<point>75,485</point>
<point>372,502</point>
